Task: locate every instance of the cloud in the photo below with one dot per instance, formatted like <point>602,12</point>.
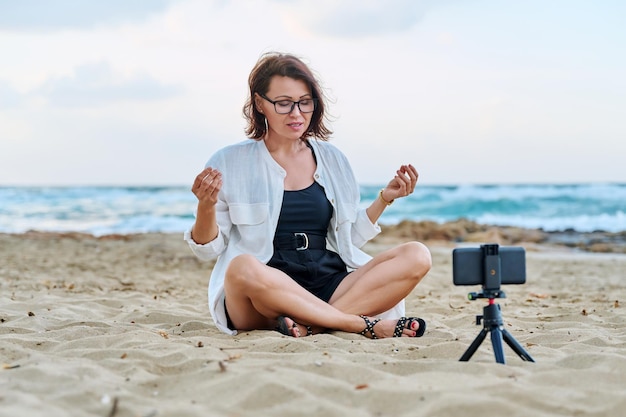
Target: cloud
<point>96,84</point>
<point>45,15</point>
<point>9,97</point>
<point>356,18</point>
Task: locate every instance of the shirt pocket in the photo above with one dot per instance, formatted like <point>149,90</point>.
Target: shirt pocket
<point>346,213</point>
<point>248,214</point>
<point>251,223</point>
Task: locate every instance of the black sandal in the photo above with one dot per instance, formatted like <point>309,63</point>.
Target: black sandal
<point>400,326</point>
<point>369,327</point>
<point>283,327</point>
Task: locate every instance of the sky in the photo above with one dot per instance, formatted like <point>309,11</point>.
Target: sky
<point>143,92</point>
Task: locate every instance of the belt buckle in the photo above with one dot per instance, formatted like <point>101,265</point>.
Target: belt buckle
<point>304,236</point>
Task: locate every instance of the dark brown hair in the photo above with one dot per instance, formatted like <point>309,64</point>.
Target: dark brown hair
<point>269,65</point>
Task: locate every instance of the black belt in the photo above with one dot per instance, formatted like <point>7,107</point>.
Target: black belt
<point>299,241</point>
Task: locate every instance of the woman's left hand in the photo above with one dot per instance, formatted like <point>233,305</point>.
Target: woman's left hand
<point>402,184</point>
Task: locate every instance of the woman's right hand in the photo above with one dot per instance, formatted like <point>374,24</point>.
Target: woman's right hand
<point>206,186</point>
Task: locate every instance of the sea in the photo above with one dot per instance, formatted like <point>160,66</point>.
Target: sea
<point>103,210</point>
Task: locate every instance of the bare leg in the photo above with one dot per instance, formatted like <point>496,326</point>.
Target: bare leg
<point>380,284</point>
<point>257,294</point>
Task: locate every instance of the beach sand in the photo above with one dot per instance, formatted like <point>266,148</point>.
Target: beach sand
<point>119,326</point>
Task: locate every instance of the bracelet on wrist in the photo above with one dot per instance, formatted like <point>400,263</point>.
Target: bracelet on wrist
<point>380,195</point>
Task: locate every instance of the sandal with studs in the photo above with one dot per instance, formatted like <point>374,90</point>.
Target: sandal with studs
<point>400,326</point>
<point>284,328</point>
<point>369,327</point>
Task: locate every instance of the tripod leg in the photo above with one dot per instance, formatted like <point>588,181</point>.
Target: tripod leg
<point>510,340</point>
<point>496,342</point>
<point>472,349</point>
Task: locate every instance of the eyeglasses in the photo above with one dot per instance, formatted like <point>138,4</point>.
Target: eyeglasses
<point>306,105</point>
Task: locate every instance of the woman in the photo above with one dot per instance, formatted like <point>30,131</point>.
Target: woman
<point>281,213</point>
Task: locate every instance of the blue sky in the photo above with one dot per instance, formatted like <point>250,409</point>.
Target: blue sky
<point>143,92</point>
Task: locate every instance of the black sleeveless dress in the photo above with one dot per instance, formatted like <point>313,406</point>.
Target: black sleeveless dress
<point>317,269</point>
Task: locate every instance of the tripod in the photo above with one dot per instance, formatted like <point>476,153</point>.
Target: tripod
<point>492,323</point>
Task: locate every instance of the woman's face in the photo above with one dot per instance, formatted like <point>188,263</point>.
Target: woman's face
<point>295,119</point>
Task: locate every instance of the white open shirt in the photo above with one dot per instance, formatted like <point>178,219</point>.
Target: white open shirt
<point>249,204</point>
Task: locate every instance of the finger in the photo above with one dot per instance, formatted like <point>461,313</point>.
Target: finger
<point>209,178</point>
<point>409,173</point>
<point>205,183</point>
<point>204,174</point>
<point>401,188</point>
<point>408,180</point>
<point>198,180</point>
<point>217,185</point>
<point>212,186</point>
<point>404,177</point>
<point>208,192</point>
<point>414,176</point>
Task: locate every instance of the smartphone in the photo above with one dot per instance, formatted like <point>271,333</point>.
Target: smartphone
<point>468,265</point>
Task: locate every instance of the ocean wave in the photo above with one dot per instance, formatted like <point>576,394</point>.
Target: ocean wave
<point>125,210</point>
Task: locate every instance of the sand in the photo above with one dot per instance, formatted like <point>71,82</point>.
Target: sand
<point>119,326</point>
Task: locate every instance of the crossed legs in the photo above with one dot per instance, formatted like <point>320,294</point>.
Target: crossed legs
<point>256,294</point>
